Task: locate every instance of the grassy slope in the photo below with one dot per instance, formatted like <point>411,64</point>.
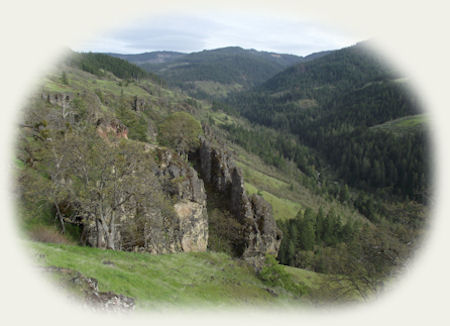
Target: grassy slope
<point>195,278</point>
<point>200,279</point>
<point>283,189</point>
<point>109,89</point>
<point>282,208</point>
<point>216,89</point>
<point>404,124</point>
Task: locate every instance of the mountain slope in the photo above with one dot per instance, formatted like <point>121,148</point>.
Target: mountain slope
<point>173,280</point>
<point>156,57</point>
<point>329,101</point>
<point>349,67</point>
<point>341,176</point>
<point>215,72</point>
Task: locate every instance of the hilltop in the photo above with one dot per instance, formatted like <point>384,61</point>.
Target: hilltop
<point>213,73</point>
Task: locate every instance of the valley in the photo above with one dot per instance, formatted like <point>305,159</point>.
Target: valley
<point>191,173</point>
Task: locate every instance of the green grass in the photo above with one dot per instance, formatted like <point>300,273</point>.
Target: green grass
<point>109,86</point>
<point>55,85</point>
<point>200,279</point>
<point>218,117</point>
<point>410,121</point>
<point>282,208</point>
<point>284,188</point>
<point>404,124</point>
<point>256,177</point>
<point>19,163</point>
<point>310,279</point>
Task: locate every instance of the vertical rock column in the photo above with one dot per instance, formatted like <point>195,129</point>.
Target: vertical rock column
<point>261,235</point>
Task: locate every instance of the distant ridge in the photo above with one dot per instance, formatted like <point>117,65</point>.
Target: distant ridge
<point>155,57</point>
<point>213,73</point>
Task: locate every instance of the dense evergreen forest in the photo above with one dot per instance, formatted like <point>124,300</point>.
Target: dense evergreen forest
<point>353,127</point>
<point>331,104</point>
<point>99,64</point>
<point>212,74</point>
<point>227,65</point>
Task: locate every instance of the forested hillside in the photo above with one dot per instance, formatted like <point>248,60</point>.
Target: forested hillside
<point>149,57</point>
<point>214,73</point>
<point>322,165</point>
<point>354,129</point>
<point>330,103</point>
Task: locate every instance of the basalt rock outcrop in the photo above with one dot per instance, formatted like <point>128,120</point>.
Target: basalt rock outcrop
<point>138,104</point>
<point>261,235</point>
<point>179,221</point>
<point>176,224</point>
<point>183,225</point>
<point>60,99</point>
<point>183,183</point>
<point>112,126</point>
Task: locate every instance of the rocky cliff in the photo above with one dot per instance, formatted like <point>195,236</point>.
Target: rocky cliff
<point>179,224</point>
<point>180,221</point>
<point>260,236</point>
<point>187,228</point>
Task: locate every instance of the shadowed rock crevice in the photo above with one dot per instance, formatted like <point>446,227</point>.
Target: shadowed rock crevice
<point>259,235</point>
<point>174,217</point>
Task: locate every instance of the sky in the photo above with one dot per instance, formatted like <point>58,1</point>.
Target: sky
<point>191,33</point>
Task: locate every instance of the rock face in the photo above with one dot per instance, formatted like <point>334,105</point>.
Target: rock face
<point>178,225</point>
<point>185,185</point>
<point>182,225</point>
<point>113,126</point>
<point>60,99</point>
<point>138,104</point>
<point>261,235</point>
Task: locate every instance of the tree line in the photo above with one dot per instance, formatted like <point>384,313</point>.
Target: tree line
<point>99,63</point>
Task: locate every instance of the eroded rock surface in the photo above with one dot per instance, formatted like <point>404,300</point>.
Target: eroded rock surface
<point>261,235</point>
<point>60,99</point>
<point>179,224</point>
<point>112,127</point>
<point>183,183</point>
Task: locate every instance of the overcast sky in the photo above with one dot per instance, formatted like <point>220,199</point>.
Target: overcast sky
<point>189,33</point>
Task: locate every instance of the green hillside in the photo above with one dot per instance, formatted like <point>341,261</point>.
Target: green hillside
<point>184,279</point>
<point>149,57</point>
<point>335,143</point>
<point>215,73</point>
<point>328,103</point>
<point>408,124</point>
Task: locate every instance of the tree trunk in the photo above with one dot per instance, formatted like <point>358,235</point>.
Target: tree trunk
<point>110,240</point>
<point>111,233</point>
<point>100,234</point>
<point>60,217</point>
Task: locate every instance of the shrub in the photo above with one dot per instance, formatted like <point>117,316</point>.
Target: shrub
<point>273,274</point>
<point>48,234</point>
<point>180,131</point>
<point>225,233</point>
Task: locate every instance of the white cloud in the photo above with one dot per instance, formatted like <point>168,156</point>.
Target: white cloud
<point>188,33</point>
